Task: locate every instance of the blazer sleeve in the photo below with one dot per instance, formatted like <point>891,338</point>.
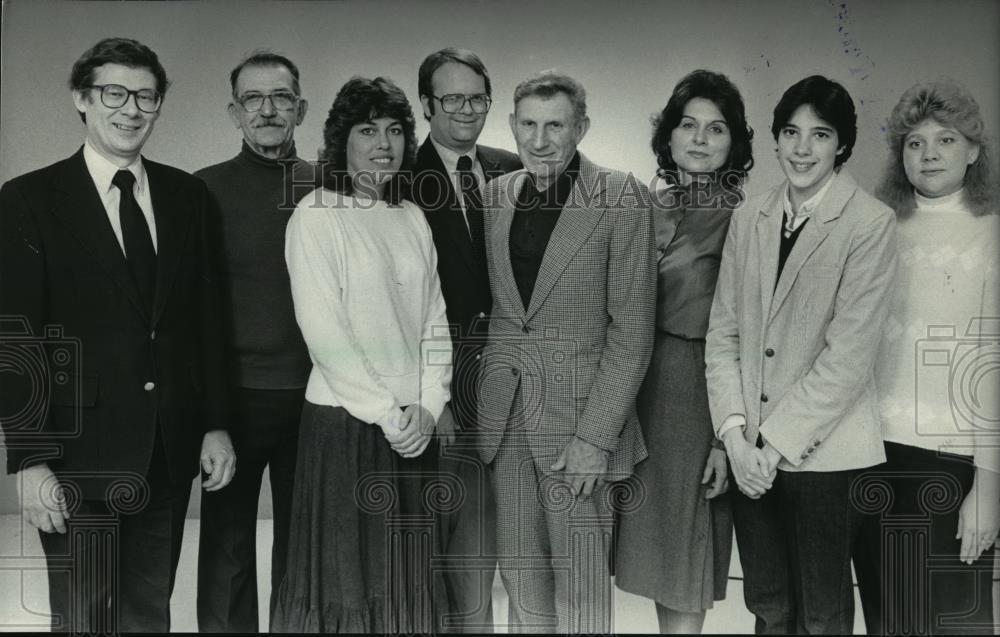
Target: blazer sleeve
<point>816,403</point>
<point>631,298</point>
<point>722,341</point>
<point>435,340</point>
<point>314,266</point>
<point>22,305</point>
<point>213,338</point>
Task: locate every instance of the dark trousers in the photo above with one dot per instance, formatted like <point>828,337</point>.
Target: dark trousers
<point>470,540</point>
<point>114,568</point>
<point>909,575</point>
<point>795,548</point>
<point>265,432</point>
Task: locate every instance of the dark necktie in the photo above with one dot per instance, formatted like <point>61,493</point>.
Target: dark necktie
<point>138,241</point>
<point>473,205</point>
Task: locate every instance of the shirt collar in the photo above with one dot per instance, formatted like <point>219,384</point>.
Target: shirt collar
<point>102,171</point>
<point>450,158</point>
<point>808,206</point>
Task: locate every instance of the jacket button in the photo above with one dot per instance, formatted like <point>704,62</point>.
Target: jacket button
<point>763,398</point>
<point>769,352</point>
<point>149,386</point>
<point>479,357</point>
<point>482,315</point>
<point>513,371</point>
<point>152,335</point>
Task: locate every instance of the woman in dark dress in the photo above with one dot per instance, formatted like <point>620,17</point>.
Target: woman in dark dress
<point>675,549</point>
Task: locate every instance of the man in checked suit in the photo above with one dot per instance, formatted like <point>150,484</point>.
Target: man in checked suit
<point>571,263</point>
<point>450,172</point>
<point>111,249</point>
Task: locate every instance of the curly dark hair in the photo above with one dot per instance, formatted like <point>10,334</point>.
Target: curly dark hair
<point>951,105</point>
<point>362,100</point>
<point>718,89</point>
<point>830,101</point>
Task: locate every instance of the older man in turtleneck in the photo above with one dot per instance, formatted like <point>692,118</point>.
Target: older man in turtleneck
<point>268,361</point>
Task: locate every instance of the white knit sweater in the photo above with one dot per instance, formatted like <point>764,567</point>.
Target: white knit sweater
<point>936,374</point>
<point>369,304</point>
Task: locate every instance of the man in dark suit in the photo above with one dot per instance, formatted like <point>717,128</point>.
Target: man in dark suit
<point>448,178</point>
<point>107,262</point>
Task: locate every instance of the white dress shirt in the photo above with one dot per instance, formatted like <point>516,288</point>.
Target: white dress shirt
<point>102,172</point>
<point>450,160</point>
<point>792,220</point>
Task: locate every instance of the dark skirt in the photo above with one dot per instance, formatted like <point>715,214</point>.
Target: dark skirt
<point>675,549</point>
<point>362,533</point>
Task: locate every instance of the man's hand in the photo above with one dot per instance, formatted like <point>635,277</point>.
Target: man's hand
<point>716,465</point>
<point>42,502</point>
<point>416,427</point>
<point>446,428</point>
<point>979,516</point>
<point>218,459</point>
<point>585,466</point>
<point>749,465</point>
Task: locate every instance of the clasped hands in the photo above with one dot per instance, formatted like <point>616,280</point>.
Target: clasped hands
<point>410,430</point>
<point>753,469</point>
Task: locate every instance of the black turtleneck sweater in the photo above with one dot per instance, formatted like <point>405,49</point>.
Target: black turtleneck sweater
<point>254,200</point>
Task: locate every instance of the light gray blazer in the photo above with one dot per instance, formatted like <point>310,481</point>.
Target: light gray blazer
<point>809,343</point>
<point>579,352</point>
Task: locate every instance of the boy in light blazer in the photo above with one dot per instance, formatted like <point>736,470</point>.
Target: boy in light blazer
<point>800,304</point>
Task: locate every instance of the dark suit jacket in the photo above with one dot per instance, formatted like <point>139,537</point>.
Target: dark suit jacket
<point>464,281</point>
<point>97,370</point>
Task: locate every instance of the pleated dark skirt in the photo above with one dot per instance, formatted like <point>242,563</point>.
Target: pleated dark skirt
<point>362,534</point>
<point>676,548</point>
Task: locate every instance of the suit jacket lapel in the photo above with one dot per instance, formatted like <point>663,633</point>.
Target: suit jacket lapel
<point>444,203</point>
<point>498,219</point>
<point>813,234</point>
<point>172,222</point>
<point>769,221</point>
<point>83,212</point>
<point>576,223</point>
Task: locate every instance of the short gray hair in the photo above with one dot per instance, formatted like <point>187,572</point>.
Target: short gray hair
<point>548,83</point>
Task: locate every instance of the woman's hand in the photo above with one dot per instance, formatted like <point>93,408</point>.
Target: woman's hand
<point>716,465</point>
<point>416,427</point>
<point>979,516</point>
<point>749,465</point>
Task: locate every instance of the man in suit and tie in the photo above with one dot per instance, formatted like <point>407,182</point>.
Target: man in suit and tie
<point>448,178</point>
<point>799,308</point>
<point>571,262</point>
<point>112,250</point>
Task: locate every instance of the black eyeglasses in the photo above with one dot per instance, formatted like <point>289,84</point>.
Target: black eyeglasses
<point>115,96</point>
<point>454,102</point>
<point>253,102</point>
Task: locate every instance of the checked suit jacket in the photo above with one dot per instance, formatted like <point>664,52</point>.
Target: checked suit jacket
<point>578,353</point>
<point>113,371</point>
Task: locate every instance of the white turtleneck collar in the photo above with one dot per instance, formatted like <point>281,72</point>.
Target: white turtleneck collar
<point>953,203</point>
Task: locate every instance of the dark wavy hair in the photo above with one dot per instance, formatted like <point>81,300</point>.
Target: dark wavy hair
<point>362,100</point>
<point>832,104</point>
<point>718,89</point>
<point>124,51</point>
<point>949,104</point>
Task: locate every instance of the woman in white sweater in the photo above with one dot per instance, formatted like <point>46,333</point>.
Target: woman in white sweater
<point>367,297</point>
<point>926,563</point>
